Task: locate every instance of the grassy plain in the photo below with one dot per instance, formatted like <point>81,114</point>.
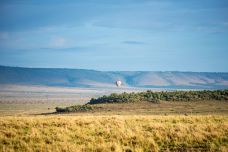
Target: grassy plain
<point>27,100</point>
<point>142,108</point>
<point>27,123</point>
<point>114,133</point>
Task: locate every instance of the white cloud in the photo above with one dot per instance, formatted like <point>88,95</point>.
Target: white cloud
<point>58,42</point>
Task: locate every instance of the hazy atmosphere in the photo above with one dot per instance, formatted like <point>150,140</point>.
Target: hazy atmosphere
<point>129,35</point>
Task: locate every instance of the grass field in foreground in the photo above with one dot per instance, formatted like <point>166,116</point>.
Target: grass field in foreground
<point>114,133</point>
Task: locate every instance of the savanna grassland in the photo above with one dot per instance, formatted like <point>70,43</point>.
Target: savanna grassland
<point>136,126</point>
<point>114,133</point>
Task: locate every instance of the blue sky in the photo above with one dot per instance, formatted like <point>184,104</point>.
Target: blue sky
<point>145,35</point>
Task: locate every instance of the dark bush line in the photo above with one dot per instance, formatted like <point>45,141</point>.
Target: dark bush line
<point>155,97</point>
<point>74,108</point>
<point>150,96</point>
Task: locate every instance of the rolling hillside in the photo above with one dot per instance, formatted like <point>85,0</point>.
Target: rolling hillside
<point>92,78</point>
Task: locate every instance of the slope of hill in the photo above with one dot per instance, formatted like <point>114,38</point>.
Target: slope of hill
<point>92,78</point>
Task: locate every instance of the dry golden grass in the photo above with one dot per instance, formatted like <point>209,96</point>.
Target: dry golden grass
<point>110,127</point>
<point>114,133</point>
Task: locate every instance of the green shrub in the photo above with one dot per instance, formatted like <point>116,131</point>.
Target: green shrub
<point>75,108</point>
<point>155,97</point>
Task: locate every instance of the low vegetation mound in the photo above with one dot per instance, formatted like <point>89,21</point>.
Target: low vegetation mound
<point>155,97</point>
<point>150,96</point>
<point>74,108</point>
<point>125,98</point>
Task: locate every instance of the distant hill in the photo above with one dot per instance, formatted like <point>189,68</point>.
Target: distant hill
<point>92,78</point>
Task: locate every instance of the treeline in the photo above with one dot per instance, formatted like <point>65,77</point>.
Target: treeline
<point>150,96</point>
<point>155,97</point>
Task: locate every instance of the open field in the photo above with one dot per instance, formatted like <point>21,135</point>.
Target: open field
<point>35,100</point>
<point>23,100</point>
<point>27,100</point>
<point>164,108</point>
<point>142,108</point>
<point>114,133</point>
<point>28,123</point>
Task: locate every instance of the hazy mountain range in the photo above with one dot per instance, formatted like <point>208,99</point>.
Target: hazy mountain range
<point>92,78</point>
